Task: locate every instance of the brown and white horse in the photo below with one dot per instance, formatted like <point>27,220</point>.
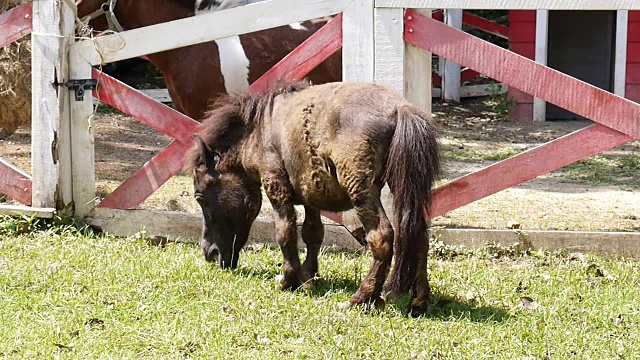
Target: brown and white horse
<point>196,75</point>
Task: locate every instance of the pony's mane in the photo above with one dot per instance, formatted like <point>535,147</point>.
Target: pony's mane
<point>231,116</point>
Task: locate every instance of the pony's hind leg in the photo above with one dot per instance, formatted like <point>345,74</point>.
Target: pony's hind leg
<point>312,235</point>
<point>421,291</point>
<point>379,235</point>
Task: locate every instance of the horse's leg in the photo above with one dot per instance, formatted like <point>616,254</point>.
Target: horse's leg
<point>277,189</point>
<point>312,235</point>
<point>380,239</point>
<point>421,291</point>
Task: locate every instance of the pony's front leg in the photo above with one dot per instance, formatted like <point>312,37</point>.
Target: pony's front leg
<point>312,235</point>
<point>278,191</point>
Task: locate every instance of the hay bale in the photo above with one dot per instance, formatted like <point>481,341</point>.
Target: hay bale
<point>15,80</point>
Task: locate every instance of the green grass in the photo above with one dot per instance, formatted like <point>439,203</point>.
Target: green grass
<point>69,294</point>
<point>451,152</point>
<point>606,171</point>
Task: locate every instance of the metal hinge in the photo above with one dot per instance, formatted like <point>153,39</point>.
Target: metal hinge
<point>80,86</point>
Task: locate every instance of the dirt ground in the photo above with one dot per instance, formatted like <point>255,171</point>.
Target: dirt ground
<point>472,137</point>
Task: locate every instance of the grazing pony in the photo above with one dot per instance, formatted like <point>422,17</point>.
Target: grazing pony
<point>195,75</point>
<point>328,147</point>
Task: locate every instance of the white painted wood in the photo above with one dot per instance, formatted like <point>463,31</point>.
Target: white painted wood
<point>82,137</point>
<point>187,227</point>
<point>53,29</point>
<point>390,48</point>
<point>19,210</point>
<point>205,27</point>
<point>358,41</point>
<point>542,41</point>
<point>620,65</point>
<point>513,4</point>
<point>451,78</point>
<point>417,74</point>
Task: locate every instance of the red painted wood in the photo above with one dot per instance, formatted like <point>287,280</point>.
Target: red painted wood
<point>522,16</point>
<point>481,23</point>
<point>306,57</point>
<point>143,108</point>
<point>633,73</point>
<point>633,52</point>
<point>634,16</point>
<point>520,97</point>
<point>15,23</point>
<point>633,31</point>
<point>169,161</point>
<point>632,92</point>
<point>524,74</point>
<point>526,166</point>
<point>438,15</point>
<point>137,188</point>
<point>436,79</point>
<point>468,75</point>
<point>526,49</point>
<point>521,112</point>
<point>15,183</point>
<point>522,32</point>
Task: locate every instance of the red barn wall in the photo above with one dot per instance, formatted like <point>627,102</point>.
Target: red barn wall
<point>632,89</point>
<point>522,40</point>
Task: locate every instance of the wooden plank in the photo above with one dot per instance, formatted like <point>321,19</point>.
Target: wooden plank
<point>306,57</point>
<point>390,49</point>
<point>15,23</point>
<point>143,108</point>
<point>620,60</point>
<point>53,28</point>
<point>187,227</point>
<point>451,78</point>
<point>491,27</point>
<point>417,73</point>
<point>526,49</point>
<point>542,40</point>
<point>210,26</point>
<point>525,166</point>
<point>625,244</point>
<point>521,16</point>
<point>513,4</point>
<point>467,75</point>
<point>480,90</point>
<point>169,161</point>
<point>16,210</point>
<point>633,73</point>
<point>516,71</point>
<point>358,42</point>
<point>82,142</point>
<point>15,183</point>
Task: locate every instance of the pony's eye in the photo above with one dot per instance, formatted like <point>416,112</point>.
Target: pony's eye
<point>199,198</point>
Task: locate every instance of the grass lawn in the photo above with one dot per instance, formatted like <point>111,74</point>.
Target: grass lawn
<point>68,295</point>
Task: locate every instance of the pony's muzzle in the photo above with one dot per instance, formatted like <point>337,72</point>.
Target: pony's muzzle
<point>211,253</point>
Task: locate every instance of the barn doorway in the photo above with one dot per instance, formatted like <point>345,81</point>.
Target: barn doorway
<point>581,44</point>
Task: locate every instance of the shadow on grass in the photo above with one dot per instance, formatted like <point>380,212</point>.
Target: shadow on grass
<point>441,307</point>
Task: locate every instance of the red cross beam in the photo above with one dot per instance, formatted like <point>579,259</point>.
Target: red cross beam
<point>617,119</point>
<point>169,161</point>
<point>15,183</point>
<point>15,23</point>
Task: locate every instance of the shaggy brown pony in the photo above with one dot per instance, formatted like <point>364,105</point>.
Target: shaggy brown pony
<point>328,147</point>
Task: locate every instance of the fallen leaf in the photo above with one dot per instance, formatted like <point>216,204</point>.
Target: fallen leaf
<point>528,303</point>
<point>262,340</point>
<point>595,270</point>
<point>95,322</point>
<point>619,320</point>
<point>160,241</point>
<point>65,347</point>
<point>513,225</point>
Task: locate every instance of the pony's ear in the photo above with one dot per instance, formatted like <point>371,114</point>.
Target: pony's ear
<point>206,157</point>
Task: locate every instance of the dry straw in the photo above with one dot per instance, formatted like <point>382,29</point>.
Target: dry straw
<point>15,80</point>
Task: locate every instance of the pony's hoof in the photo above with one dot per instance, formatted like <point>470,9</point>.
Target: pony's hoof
<point>280,281</point>
<point>417,309</point>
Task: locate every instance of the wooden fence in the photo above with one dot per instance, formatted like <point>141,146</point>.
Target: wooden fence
<point>381,41</point>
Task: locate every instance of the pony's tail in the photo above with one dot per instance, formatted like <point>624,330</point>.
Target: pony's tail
<point>413,166</point>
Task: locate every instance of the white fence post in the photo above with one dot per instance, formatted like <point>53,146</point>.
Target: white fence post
<point>620,67</point>
<point>83,149</point>
<point>358,42</point>
<point>417,74</point>
<point>53,30</point>
<point>542,37</point>
<point>451,76</point>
